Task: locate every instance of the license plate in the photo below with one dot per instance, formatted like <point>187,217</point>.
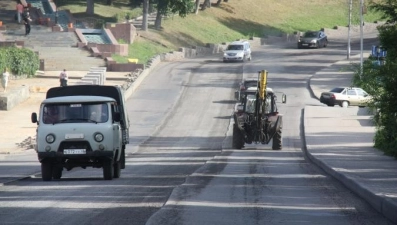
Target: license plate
<point>74,136</point>
<point>74,151</point>
<point>305,44</point>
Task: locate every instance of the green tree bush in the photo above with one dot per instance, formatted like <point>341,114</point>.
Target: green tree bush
<point>20,61</point>
<point>380,81</point>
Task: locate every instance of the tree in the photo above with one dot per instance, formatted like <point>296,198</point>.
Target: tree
<point>196,6</point>
<point>166,7</point>
<point>218,3</point>
<point>387,7</point>
<point>90,7</point>
<point>145,15</point>
<point>207,3</point>
<point>380,82</point>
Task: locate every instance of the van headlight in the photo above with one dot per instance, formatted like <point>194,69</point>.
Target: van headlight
<point>98,137</point>
<point>50,138</point>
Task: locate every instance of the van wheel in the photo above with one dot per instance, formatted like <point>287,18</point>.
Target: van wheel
<point>107,169</point>
<point>57,172</point>
<point>250,58</point>
<point>117,169</point>
<point>46,171</point>
<point>122,159</point>
<point>344,104</point>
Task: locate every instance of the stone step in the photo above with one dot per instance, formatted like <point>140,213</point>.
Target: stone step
<point>55,60</point>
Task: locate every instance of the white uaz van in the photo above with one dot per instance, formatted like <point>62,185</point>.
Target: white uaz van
<point>82,126</point>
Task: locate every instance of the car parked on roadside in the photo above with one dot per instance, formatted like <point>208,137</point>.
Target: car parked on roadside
<point>345,96</point>
<point>310,39</point>
<point>237,51</point>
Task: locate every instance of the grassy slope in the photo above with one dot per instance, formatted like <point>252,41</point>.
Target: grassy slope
<point>233,20</point>
<point>246,18</point>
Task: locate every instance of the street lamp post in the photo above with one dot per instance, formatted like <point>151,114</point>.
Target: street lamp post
<point>350,3</point>
<point>361,35</point>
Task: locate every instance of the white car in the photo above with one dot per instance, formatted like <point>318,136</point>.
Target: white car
<point>237,51</point>
<point>345,96</point>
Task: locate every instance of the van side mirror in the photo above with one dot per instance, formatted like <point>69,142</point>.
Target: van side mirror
<point>33,118</point>
<point>116,116</point>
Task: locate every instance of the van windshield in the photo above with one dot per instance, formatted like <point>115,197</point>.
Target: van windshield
<point>311,34</point>
<point>235,47</point>
<point>75,113</point>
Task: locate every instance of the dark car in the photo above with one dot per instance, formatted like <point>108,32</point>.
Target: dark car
<point>245,85</point>
<point>313,39</point>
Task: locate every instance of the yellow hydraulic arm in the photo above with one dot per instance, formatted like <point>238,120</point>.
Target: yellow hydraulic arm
<point>262,84</point>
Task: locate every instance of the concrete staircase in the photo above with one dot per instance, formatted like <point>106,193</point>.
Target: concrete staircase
<point>137,22</point>
<point>57,49</point>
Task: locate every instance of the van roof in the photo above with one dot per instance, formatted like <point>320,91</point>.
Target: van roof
<point>78,99</point>
<point>87,90</point>
<point>238,42</point>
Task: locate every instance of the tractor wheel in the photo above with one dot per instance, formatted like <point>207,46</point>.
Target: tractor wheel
<point>277,139</point>
<point>107,169</point>
<point>46,171</point>
<point>238,139</point>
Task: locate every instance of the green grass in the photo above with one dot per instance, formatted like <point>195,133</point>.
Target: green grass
<point>233,20</point>
<point>141,49</point>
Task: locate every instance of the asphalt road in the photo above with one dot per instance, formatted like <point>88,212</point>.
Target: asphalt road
<point>179,167</point>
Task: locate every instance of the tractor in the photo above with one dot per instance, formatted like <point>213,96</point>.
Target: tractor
<point>256,117</point>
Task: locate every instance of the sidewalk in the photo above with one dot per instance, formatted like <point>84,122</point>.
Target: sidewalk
<point>20,132</point>
<point>340,141</point>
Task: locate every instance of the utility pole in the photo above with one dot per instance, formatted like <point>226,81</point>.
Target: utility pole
<point>361,35</point>
<point>350,3</point>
